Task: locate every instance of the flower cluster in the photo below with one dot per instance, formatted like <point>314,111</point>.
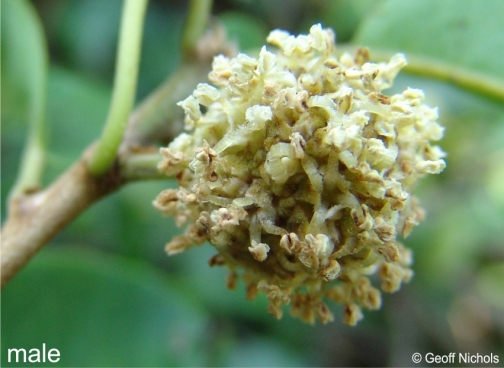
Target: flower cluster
<point>300,172</point>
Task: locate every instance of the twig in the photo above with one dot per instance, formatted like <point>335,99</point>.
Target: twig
<point>34,219</point>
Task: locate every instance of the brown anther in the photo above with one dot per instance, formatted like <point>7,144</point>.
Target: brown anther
<point>217,260</point>
<point>252,291</point>
<point>361,56</point>
<point>389,252</point>
<point>332,271</point>
<point>231,280</point>
<point>379,97</point>
<point>270,91</point>
<point>213,177</point>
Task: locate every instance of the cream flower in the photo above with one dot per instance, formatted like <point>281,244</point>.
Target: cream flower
<point>301,171</point>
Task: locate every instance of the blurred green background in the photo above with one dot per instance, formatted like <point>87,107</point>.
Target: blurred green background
<point>104,292</point>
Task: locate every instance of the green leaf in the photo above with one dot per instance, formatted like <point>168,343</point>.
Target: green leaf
<point>99,310</point>
<point>77,107</point>
<point>469,33</point>
<point>85,34</point>
<point>210,282</point>
<point>245,29</point>
<point>343,16</point>
<point>490,283</point>
<point>261,352</point>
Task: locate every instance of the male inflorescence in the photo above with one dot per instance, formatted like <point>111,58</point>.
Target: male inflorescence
<point>300,172</point>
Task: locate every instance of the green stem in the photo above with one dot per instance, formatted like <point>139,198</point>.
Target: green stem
<point>141,166</point>
<point>125,82</point>
<point>196,22</point>
<point>470,80</point>
<point>32,162</point>
<point>27,51</point>
<point>467,79</point>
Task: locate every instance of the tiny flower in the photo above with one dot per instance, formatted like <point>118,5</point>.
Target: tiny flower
<point>281,162</point>
<point>352,314</point>
<point>191,108</point>
<point>206,94</point>
<point>430,167</point>
<point>300,171</point>
<point>259,250</point>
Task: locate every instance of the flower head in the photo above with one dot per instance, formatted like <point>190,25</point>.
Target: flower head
<point>301,171</point>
